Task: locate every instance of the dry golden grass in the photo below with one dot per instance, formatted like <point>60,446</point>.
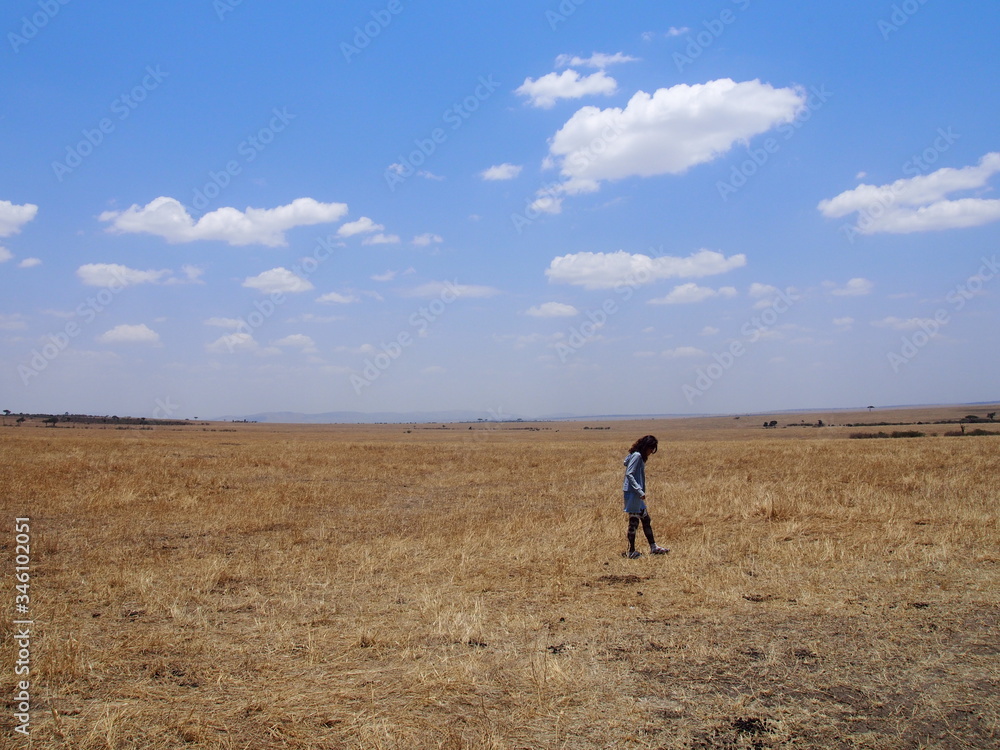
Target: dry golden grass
<point>425,587</point>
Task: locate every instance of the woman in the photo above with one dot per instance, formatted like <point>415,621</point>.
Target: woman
<point>634,488</point>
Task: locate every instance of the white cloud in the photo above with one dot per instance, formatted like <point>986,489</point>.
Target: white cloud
<point>607,270</point>
<point>546,204</point>
<point>12,322</point>
<point>765,294</point>
<point>300,341</point>
<point>678,31</point>
<point>232,323</point>
<point>854,288</point>
<point>13,217</point>
<point>762,290</point>
<point>387,276</point>
<point>337,299</point>
<point>30,263</point>
<point>277,280</point>
<point>551,87</point>
<point>364,225</point>
<point>907,324</point>
<point>709,331</point>
<point>5,254</point>
<point>127,334</point>
<point>920,204</point>
<point>843,323</point>
<point>381,239</point>
<point>313,318</point>
<point>233,342</point>
<point>113,274</point>
<point>449,289</point>
<point>167,218</point>
<point>427,238</point>
<point>552,310</point>
<point>684,351</point>
<point>667,132</point>
<point>690,293</point>
<point>433,370</point>
<point>501,172</point>
<point>599,60</point>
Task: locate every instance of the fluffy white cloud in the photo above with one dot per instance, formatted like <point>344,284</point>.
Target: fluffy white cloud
<point>684,351</point>
<point>762,290</point>
<point>854,288</point>
<point>232,323</point>
<point>501,172</point>
<point>545,91</point>
<point>364,225</point>
<point>381,239</point>
<point>233,342</point>
<point>167,218</point>
<point>126,334</point>
<point>667,132</point>
<point>599,60</point>
<point>709,331</point>
<point>690,293</point>
<point>425,239</point>
<point>12,322</point>
<point>765,294</point>
<point>448,289</point>
<point>546,203</point>
<point>30,263</point>
<point>843,324</point>
<point>920,204</point>
<point>907,324</point>
<point>277,280</point>
<point>5,254</point>
<point>552,310</point>
<point>299,341</point>
<point>13,217</point>
<point>678,31</point>
<point>333,298</point>
<point>113,274</point>
<point>607,270</point>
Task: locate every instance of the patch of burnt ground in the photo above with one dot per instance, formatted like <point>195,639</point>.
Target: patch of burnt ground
<point>822,680</point>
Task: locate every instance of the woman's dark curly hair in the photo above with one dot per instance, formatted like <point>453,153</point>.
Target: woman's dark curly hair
<point>645,445</point>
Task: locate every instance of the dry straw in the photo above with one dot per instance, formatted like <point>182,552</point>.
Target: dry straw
<point>428,587</point>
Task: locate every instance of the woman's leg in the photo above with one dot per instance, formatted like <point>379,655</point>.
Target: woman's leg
<point>633,524</point>
<point>647,529</point>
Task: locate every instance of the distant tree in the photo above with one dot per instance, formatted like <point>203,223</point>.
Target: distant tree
<point>870,408</point>
<point>51,421</point>
<point>6,413</point>
<point>819,423</point>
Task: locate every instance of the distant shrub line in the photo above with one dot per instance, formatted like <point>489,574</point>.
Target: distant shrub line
<point>917,434</point>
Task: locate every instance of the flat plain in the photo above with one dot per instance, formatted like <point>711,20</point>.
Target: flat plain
<point>461,585</point>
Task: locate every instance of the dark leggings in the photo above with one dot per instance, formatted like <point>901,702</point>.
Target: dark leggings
<point>647,528</point>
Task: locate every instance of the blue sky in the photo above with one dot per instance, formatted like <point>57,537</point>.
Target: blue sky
<point>512,208</point>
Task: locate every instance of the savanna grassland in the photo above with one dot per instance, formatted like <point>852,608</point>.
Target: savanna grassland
<point>461,586</point>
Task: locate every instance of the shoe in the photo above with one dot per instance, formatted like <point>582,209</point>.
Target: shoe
<point>633,555</point>
<point>658,550</point>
